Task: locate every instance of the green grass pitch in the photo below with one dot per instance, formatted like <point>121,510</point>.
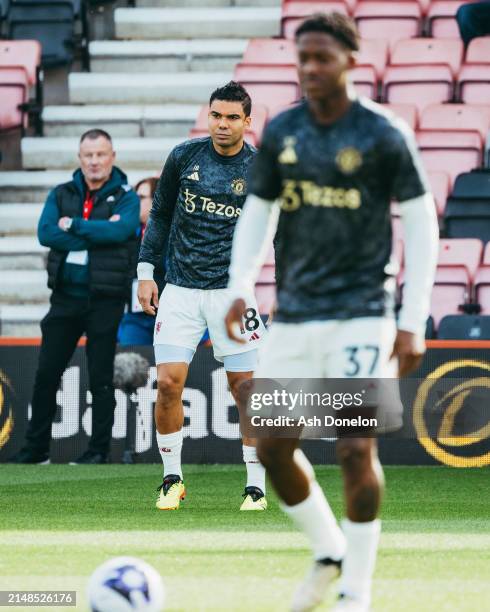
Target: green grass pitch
<point>59,522</point>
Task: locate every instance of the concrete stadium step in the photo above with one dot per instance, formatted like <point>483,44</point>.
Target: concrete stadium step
<point>22,319</point>
<point>228,22</point>
<point>34,186</point>
<point>166,55</point>
<point>22,253</point>
<point>146,88</point>
<point>24,287</point>
<point>56,153</point>
<point>165,121</point>
<point>19,219</point>
<point>198,3</point>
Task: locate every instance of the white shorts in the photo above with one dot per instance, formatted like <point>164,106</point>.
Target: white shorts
<point>355,348</point>
<point>183,316</point>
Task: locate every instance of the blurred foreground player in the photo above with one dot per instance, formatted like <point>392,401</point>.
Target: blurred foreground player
<point>334,163</point>
<point>197,203</point>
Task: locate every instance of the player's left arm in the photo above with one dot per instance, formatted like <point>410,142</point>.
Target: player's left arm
<point>254,232</point>
<point>421,236</point>
<point>253,235</point>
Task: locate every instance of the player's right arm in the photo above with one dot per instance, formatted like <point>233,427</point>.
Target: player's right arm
<point>253,232</point>
<point>155,240</point>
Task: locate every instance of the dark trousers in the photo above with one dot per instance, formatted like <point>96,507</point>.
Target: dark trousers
<point>68,318</point>
<point>473,20</point>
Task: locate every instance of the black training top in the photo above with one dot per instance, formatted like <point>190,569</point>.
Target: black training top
<point>197,203</point>
<point>335,184</point>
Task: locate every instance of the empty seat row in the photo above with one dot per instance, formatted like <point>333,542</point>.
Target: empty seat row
<point>375,52</point>
<point>419,71</point>
<point>396,20</point>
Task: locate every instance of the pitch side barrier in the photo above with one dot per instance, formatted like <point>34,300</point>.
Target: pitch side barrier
<point>445,409</point>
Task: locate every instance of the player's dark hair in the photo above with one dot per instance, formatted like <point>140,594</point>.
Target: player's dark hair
<point>233,92</point>
<point>94,134</point>
<point>341,27</point>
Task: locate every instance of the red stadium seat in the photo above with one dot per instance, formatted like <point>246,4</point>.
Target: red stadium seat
<point>474,83</point>
<point>26,53</point>
<point>428,51</point>
<point>267,73</point>
<point>482,289</point>
<point>365,82</point>
<point>407,112</point>
<point>451,152</point>
<point>465,252</point>
<point>455,117</point>
<point>374,53</point>
<point>14,88</point>
<point>447,299</point>
<point>441,18</point>
<point>266,297</point>
<point>419,85</point>
<point>271,85</point>
<point>259,119</point>
<point>390,20</point>
<point>478,51</point>
<point>294,12</point>
<point>275,96</point>
<point>439,183</point>
<point>270,51</point>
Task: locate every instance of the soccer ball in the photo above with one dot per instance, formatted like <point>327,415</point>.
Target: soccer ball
<point>126,584</point>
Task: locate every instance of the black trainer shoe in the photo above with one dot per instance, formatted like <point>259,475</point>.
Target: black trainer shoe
<point>254,499</point>
<point>90,458</point>
<point>31,456</point>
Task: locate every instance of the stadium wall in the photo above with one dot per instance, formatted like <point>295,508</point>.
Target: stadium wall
<point>211,425</point>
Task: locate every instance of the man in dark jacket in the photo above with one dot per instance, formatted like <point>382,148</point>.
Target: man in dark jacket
<point>90,225</point>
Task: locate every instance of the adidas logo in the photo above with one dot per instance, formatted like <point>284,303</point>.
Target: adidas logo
<point>194,176</point>
<point>254,336</point>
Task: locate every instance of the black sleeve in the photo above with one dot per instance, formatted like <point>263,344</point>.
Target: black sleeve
<point>408,175</point>
<point>265,178</point>
<point>157,231</point>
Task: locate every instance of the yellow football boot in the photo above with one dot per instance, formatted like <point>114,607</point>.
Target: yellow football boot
<point>254,499</point>
<point>170,493</point>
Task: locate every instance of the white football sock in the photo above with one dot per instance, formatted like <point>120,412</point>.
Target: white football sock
<point>255,470</point>
<point>360,559</point>
<point>170,447</point>
<point>315,518</point>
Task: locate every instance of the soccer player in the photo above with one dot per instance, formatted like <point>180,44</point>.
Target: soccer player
<point>334,163</point>
<point>198,201</point>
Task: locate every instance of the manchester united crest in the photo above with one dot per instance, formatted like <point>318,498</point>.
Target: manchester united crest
<point>348,160</point>
<point>239,186</point>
